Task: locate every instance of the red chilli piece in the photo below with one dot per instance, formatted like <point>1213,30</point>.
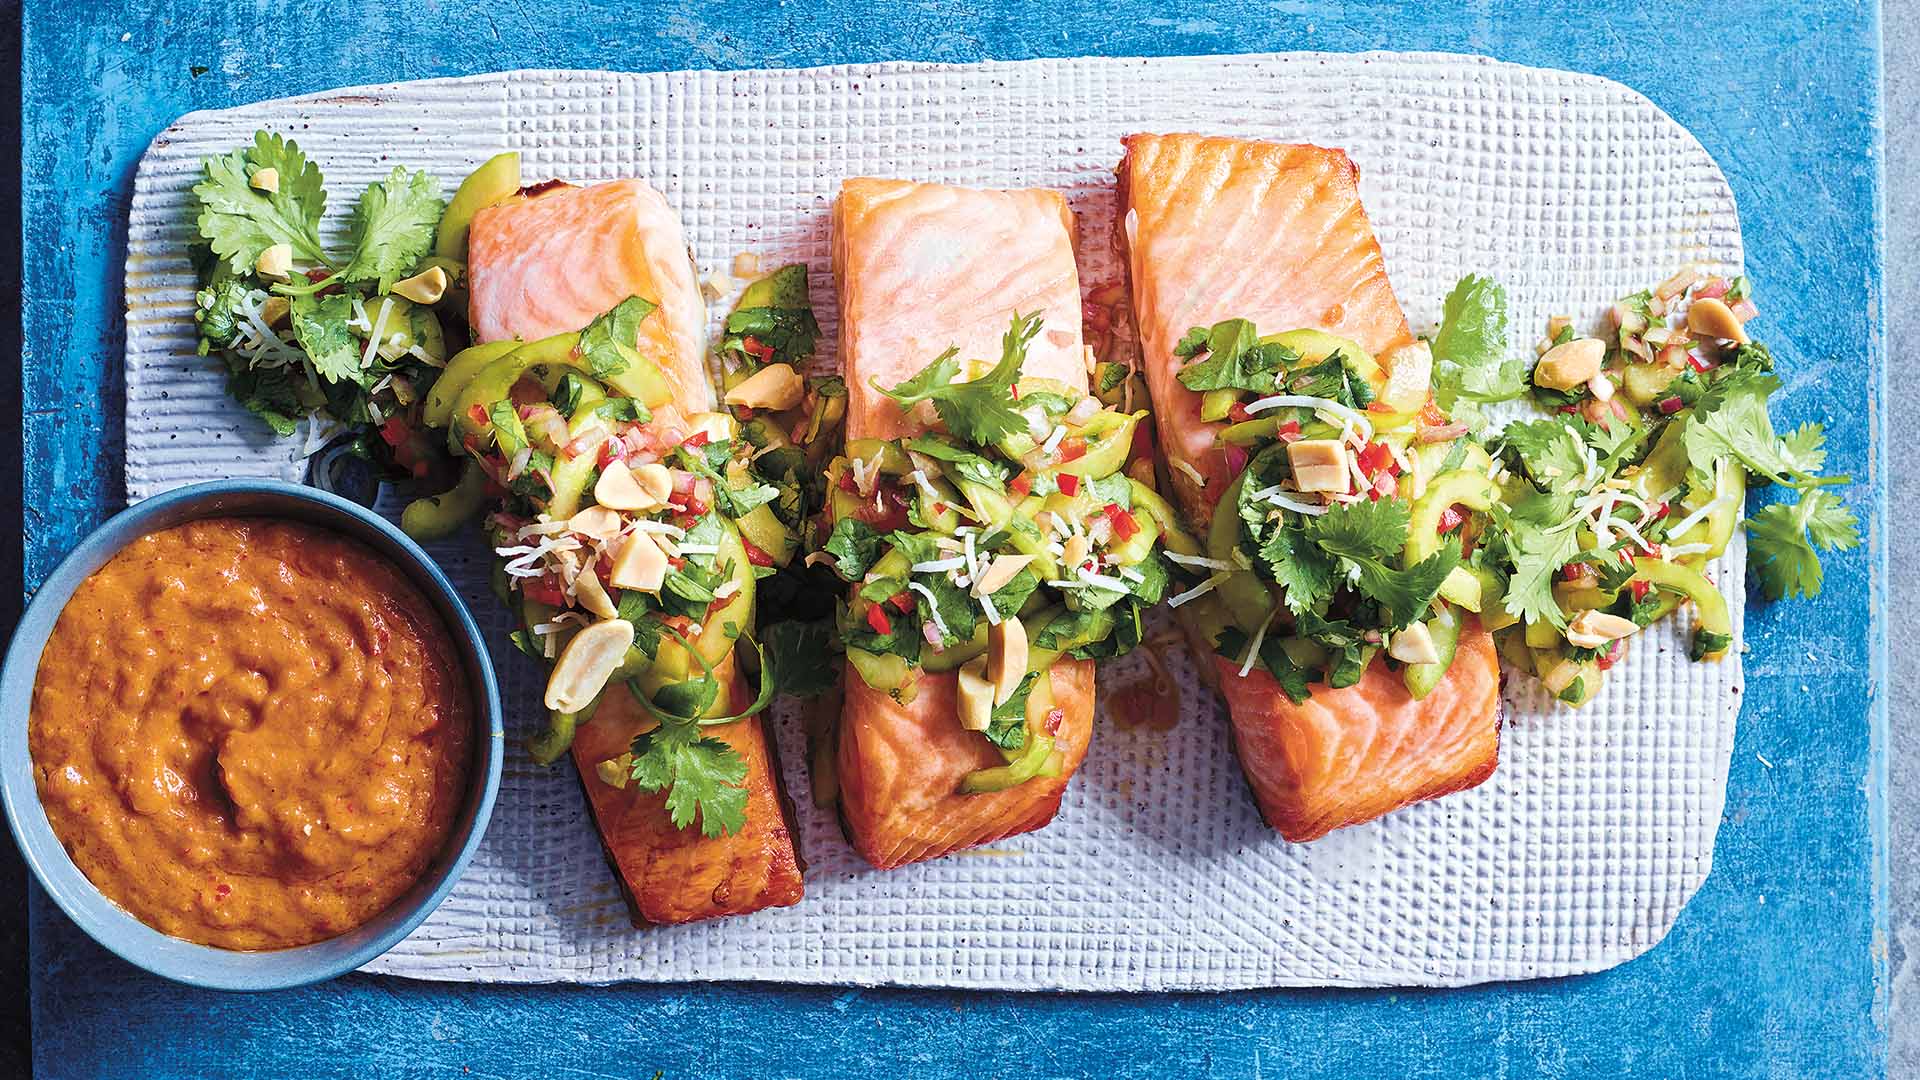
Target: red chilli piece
<point>757,349</point>
<point>1374,458</point>
<point>754,555</point>
<point>394,431</point>
<point>1238,413</point>
<point>1069,484</point>
<point>1450,519</point>
<point>1073,449</point>
<point>1639,587</point>
<point>696,440</point>
<point>1670,404</point>
<point>1124,525</point>
<point>877,619</point>
<point>1021,485</point>
<point>1612,655</point>
<point>902,603</point>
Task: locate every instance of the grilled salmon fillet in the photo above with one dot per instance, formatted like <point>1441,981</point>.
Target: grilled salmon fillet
<point>550,263</point>
<point>922,267</point>
<point>1220,228</point>
<point>674,875</point>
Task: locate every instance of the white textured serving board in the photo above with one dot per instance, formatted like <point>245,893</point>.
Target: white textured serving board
<point>1572,190</point>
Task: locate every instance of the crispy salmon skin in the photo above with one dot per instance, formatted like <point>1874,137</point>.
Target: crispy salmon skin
<point>1220,228</point>
<point>922,267</point>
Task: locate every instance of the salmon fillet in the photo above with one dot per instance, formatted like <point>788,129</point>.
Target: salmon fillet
<point>551,263</point>
<point>1353,754</point>
<point>901,765</point>
<point>922,267</point>
<point>1220,228</point>
<point>674,875</point>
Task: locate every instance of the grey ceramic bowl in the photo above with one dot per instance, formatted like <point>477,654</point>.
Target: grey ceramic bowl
<point>105,921</point>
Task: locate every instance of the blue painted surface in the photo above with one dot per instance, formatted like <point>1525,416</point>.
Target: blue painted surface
<point>1776,969</point>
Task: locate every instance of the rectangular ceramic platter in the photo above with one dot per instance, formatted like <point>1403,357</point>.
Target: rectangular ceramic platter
<point>1157,875</point>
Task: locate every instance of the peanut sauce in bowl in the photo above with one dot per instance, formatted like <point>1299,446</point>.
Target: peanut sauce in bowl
<point>273,740</point>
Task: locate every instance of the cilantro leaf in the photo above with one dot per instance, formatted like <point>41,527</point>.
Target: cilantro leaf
<point>1470,359</point>
<point>216,308</point>
<point>1782,540</point>
<point>1334,379</point>
<point>956,609</point>
<point>1370,529</point>
<point>603,341</point>
<point>702,776</point>
<point>789,332</point>
<point>392,226</point>
<point>1007,724</point>
<point>1405,595</point>
<point>1731,421</point>
<point>1538,554</point>
<point>1806,447</point>
<point>1550,451</point>
<point>964,464</point>
<point>240,221</point>
<point>1234,360</point>
<point>854,547</point>
<point>980,411</point>
<point>1307,576</point>
<point>320,325</point>
<point>272,394</point>
<point>736,499</point>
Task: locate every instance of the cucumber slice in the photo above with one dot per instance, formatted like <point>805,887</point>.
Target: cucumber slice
<point>495,181</point>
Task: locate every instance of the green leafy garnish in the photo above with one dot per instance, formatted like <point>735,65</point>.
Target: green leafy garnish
<point>320,325</point>
<point>854,547</point>
<point>800,655</point>
<point>980,411</point>
<point>392,227</point>
<point>1293,679</point>
<point>789,332</point>
<point>241,221</point>
<point>602,342</point>
<point>1007,725</point>
<point>702,776</point>
<point>1782,540</point>
<point>1470,359</point>
<point>1334,379</point>
<point>1234,359</point>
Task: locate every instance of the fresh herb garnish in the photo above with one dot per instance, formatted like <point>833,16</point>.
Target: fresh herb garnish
<point>980,411</point>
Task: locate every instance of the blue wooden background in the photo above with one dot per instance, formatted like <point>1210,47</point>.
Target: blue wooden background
<point>1777,968</point>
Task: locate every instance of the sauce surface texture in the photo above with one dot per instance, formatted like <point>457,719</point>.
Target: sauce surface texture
<point>251,734</point>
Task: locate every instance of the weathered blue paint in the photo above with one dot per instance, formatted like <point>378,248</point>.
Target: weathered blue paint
<point>1776,969</point>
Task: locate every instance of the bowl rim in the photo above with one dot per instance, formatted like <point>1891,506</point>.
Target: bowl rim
<point>116,929</point>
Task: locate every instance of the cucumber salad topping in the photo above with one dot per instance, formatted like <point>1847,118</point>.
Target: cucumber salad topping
<point>996,546</point>
<point>1362,521</point>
